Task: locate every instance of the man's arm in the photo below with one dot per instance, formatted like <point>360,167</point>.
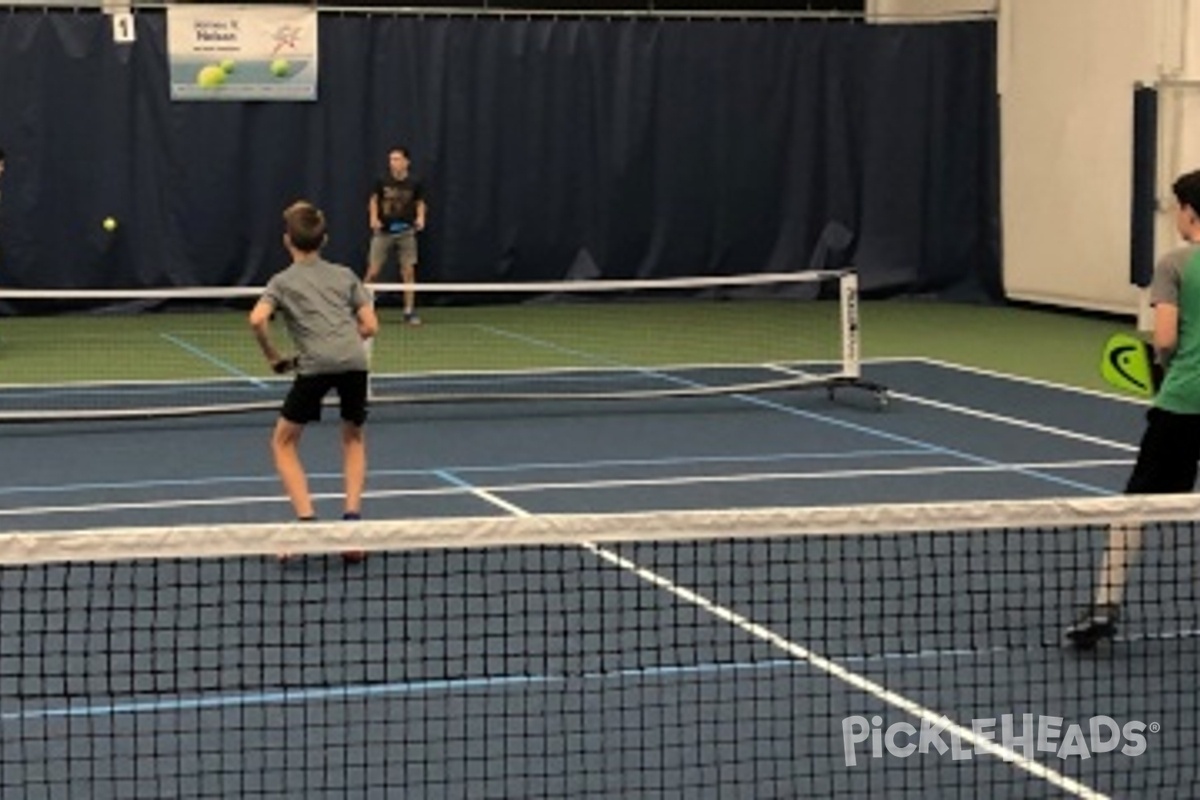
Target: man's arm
<point>419,223</point>
<point>260,323</point>
<point>368,322</point>
<point>1166,331</point>
<point>373,212</point>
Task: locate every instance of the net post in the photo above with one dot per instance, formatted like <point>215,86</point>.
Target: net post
<point>851,367</point>
<point>851,356</point>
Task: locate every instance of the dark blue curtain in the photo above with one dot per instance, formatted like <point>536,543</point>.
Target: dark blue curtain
<point>550,147</point>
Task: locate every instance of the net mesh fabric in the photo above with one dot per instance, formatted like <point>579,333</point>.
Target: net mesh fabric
<point>711,654</point>
<point>113,355</point>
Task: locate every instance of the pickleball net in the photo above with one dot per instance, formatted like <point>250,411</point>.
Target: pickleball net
<point>110,354</point>
<point>876,651</point>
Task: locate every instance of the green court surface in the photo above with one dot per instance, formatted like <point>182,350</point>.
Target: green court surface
<point>1060,346</point>
<point>169,345</point>
<point>1047,344</point>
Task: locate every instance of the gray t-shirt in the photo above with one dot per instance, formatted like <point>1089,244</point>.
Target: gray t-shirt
<point>1177,282</point>
<point>319,302</point>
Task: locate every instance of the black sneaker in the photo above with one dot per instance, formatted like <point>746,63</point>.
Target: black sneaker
<point>1096,623</point>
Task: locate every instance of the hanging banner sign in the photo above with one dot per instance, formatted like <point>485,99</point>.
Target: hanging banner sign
<point>242,52</point>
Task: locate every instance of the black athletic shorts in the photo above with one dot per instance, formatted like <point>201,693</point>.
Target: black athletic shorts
<point>303,402</point>
<point>1168,456</point>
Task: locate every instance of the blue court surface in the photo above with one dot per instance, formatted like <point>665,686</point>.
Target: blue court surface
<point>948,434</point>
<point>728,668</point>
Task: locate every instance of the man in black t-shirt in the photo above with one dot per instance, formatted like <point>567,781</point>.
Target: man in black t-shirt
<point>397,212</point>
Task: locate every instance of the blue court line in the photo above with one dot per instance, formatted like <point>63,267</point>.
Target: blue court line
<point>774,406</point>
<point>280,696</point>
<point>449,477</point>
<point>445,685</point>
<point>450,685</point>
<point>204,355</point>
<point>674,461</point>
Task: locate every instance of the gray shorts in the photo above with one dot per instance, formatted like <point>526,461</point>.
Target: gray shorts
<point>405,245</point>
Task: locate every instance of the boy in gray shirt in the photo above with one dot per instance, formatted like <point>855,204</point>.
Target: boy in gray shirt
<point>328,313</point>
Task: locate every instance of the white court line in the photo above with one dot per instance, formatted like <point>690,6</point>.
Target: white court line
<point>950,365</point>
<point>558,486</point>
<point>725,462</point>
<point>1016,422</point>
<point>829,667</point>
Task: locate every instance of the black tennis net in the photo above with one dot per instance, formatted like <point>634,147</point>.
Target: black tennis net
<point>880,651</point>
<point>112,354</point>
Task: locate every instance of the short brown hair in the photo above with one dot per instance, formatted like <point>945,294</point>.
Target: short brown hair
<point>305,226</point>
<point>1187,190</point>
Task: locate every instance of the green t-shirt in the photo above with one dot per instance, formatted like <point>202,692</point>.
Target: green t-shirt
<point>1177,282</point>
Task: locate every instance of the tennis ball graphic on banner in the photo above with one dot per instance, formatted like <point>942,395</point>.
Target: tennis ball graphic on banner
<point>211,77</point>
